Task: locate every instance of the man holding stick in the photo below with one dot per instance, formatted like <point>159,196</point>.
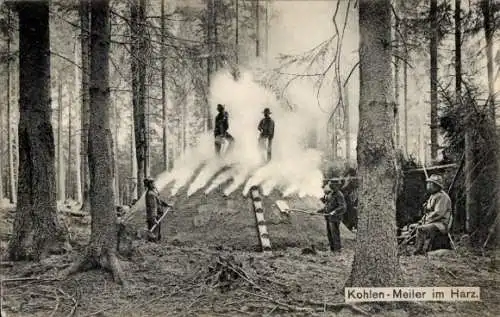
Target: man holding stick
<point>335,207</point>
<point>154,207</point>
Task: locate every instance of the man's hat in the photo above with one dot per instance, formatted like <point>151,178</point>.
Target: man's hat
<point>148,180</point>
<point>436,179</point>
<point>267,110</point>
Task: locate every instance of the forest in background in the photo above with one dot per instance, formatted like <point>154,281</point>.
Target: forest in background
<point>174,49</point>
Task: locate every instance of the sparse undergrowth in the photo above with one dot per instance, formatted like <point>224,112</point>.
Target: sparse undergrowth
<point>165,280</point>
<point>176,281</point>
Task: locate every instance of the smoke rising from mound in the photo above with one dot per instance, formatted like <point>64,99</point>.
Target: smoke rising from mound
<point>294,169</point>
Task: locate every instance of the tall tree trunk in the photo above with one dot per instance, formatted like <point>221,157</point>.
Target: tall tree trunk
<point>138,67</point>
<point>36,205</point>
<point>61,188</point>
<point>257,29</point>
<point>76,93</point>
<point>184,127</point>
<point>2,141</point>
<point>133,165</point>
<point>397,44</point>
<point>217,60</point>
<point>470,201</point>
<point>405,86</point>
<point>11,178</point>
<point>237,31</point>
<point>116,174</point>
<point>85,93</point>
<point>434,75</point>
<point>347,124</point>
<point>266,31</point>
<point>211,55</point>
<point>334,137</point>
<point>101,251</point>
<point>488,35</point>
<point>163,88</point>
<point>69,177</point>
<point>376,260</point>
<point>147,158</point>
<point>488,26</point>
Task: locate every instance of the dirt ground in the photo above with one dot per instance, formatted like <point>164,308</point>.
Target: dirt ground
<point>166,280</point>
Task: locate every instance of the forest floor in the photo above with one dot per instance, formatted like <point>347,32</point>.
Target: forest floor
<point>166,280</point>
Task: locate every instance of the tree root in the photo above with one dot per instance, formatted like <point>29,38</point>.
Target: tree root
<point>107,260</point>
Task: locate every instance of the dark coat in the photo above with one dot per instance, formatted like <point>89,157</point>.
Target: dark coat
<point>335,201</point>
<point>266,128</point>
<point>221,124</point>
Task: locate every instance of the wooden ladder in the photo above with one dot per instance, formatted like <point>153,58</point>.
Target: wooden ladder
<point>259,217</point>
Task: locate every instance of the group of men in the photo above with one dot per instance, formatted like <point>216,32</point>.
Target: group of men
<point>265,127</point>
<point>436,220</point>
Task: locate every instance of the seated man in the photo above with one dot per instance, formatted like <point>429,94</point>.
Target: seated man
<point>436,215</point>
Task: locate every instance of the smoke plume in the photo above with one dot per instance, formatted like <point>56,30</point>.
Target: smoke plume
<point>294,169</point>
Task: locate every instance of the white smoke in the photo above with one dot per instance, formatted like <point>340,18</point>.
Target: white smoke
<point>293,168</point>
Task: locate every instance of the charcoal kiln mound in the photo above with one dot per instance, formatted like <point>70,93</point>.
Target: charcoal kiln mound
<point>229,222</point>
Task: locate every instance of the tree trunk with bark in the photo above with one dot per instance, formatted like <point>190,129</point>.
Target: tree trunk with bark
<point>405,86</point>
<point>397,44</point>
<point>236,33</point>
<point>1,147</point>
<point>211,20</point>
<point>434,79</point>
<point>76,94</point>
<point>61,186</point>
<point>101,251</point>
<point>138,47</point>
<point>163,88</point>
<point>133,165</point>
<point>116,174</point>
<point>347,124</point>
<point>85,93</point>
<point>36,205</point>
<point>266,31</point>
<point>470,197</point>
<point>376,260</point>
<point>69,177</point>
<point>488,35</point>
<point>257,29</point>
<point>11,178</point>
<point>488,26</point>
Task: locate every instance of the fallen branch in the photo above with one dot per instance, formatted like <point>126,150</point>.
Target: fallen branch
<point>23,279</point>
<point>57,305</point>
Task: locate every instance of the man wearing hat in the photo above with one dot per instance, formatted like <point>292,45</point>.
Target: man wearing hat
<point>335,207</point>
<point>437,214</point>
<point>154,206</point>
<point>221,127</point>
<point>266,129</point>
